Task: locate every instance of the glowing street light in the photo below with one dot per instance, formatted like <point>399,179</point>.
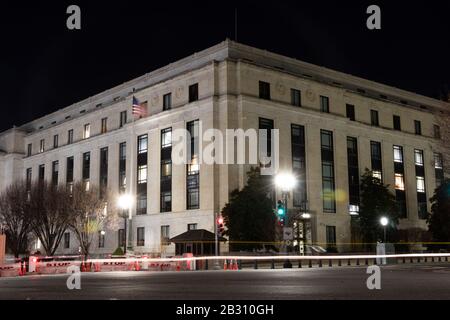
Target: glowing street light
<point>285,181</point>
<point>125,202</point>
<point>384,222</point>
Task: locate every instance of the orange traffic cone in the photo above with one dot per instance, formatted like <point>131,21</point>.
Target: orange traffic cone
<point>97,267</point>
<point>235,265</point>
<point>137,266</point>
<point>21,273</point>
<point>225,264</point>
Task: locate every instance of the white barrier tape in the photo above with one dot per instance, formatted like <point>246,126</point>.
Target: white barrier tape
<point>252,258</point>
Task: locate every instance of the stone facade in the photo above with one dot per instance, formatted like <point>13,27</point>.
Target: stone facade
<point>228,77</point>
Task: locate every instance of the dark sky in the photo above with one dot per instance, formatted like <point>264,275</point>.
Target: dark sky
<point>45,67</point>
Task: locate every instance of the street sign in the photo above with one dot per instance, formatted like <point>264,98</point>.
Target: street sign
<point>288,233</point>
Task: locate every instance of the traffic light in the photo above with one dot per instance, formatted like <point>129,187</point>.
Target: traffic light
<point>280,209</point>
<point>281,212</point>
<point>220,226</point>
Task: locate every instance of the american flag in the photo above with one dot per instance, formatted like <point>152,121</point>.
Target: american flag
<point>138,108</point>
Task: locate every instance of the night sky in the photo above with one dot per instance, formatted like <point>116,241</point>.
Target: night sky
<point>45,67</point>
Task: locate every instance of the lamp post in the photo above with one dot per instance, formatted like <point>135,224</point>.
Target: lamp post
<point>384,222</point>
<point>286,182</point>
<point>125,202</point>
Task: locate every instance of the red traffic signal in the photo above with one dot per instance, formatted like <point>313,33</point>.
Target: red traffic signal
<point>220,226</point>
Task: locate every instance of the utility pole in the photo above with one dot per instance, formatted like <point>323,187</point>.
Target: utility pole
<point>216,242</point>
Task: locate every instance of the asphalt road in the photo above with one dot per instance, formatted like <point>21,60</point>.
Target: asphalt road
<point>397,282</point>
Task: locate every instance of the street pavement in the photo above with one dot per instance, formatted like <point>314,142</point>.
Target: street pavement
<point>397,282</point>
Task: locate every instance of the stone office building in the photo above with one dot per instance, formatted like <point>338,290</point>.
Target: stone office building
<point>332,126</point>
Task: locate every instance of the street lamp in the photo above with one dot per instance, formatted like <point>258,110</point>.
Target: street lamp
<point>125,202</point>
<point>384,222</point>
<point>286,182</point>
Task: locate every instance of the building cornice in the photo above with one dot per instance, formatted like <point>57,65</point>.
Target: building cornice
<point>236,51</point>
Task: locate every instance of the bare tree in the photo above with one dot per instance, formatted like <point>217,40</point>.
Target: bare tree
<point>14,217</point>
<point>50,214</point>
<point>90,214</point>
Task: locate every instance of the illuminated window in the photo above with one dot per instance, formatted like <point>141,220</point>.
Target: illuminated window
<point>418,156</point>
<point>87,131</point>
<point>353,209</point>
<point>398,154</point>
<point>420,184</point>
<point>142,174</point>
<point>377,174</point>
<point>399,181</point>
<point>42,146</point>
<point>142,144</point>
<point>438,163</point>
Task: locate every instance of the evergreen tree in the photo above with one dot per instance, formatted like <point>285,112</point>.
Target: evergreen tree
<point>439,219</point>
<point>376,202</point>
<point>249,216</point>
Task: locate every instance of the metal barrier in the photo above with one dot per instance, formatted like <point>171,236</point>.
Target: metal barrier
<point>229,263</point>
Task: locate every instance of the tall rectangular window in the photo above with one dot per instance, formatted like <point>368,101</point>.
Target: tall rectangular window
<point>299,164</point>
<point>122,167</point>
<point>268,126</point>
<point>420,182</point>
<point>437,131</point>
<point>438,169</point>
<point>296,98</point>
<point>55,173</point>
<point>140,237</point>
<point>377,166</point>
<point>142,159</point>
<point>28,178</point>
<point>123,118</point>
<point>418,157</point>
<point>353,175</point>
<point>67,240</point>
<point>165,235</point>
<point>41,173</point>
<point>103,171</point>
<point>70,136</point>
<point>167,101</point>
<point>101,239</point>
<point>87,131</point>
<point>324,104</point>
<point>399,181</point>
<point>55,141</point>
<point>264,90</point>
<point>328,186</point>
<point>41,146</point>
<point>86,174</point>
<point>193,92</point>
<point>69,173</point>
<point>193,169</point>
<point>104,125</point>
<point>331,238</point>
<point>350,112</point>
<point>417,127</point>
<point>397,123</point>
<point>166,170</point>
<point>374,118</point>
<point>29,150</point>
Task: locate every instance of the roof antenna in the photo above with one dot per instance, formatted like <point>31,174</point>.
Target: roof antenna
<point>235,24</point>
